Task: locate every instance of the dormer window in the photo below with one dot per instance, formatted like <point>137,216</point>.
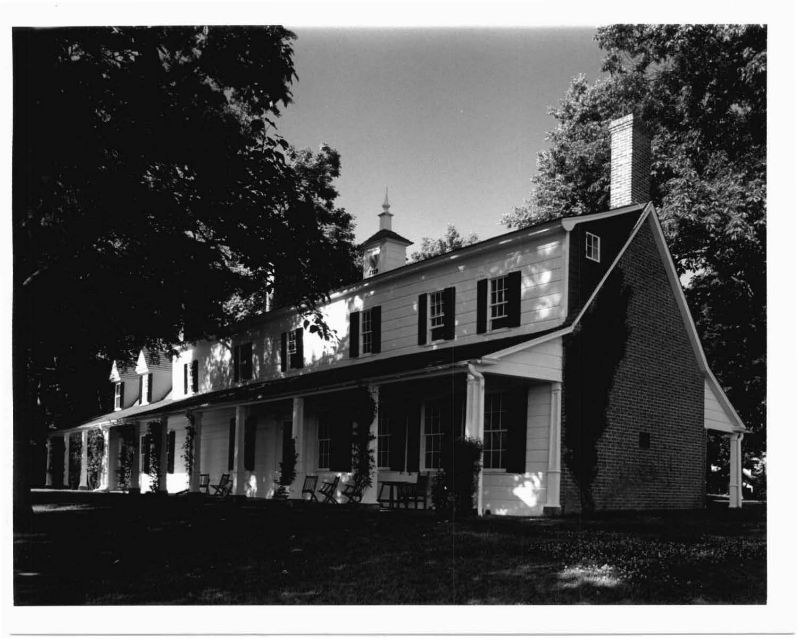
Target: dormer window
<point>592,247</point>
<point>191,376</point>
<point>119,395</point>
<point>145,388</point>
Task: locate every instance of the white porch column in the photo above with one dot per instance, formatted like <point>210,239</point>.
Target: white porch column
<point>136,469</point>
<point>473,424</point>
<point>65,479</point>
<point>48,476</point>
<point>735,487</point>
<point>298,434</point>
<point>83,484</point>
<point>162,457</point>
<point>239,473</point>
<point>104,475</point>
<point>554,452</point>
<point>112,444</point>
<point>371,493</point>
<point>194,480</point>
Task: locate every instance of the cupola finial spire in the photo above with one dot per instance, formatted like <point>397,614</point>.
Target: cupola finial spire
<point>386,216</point>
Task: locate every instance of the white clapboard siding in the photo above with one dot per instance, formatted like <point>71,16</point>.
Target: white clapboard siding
<point>524,494</point>
<point>214,450</point>
<point>542,361</point>
<point>540,260</point>
<point>715,416</point>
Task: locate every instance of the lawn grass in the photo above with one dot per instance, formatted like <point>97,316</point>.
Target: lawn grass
<point>117,549</point>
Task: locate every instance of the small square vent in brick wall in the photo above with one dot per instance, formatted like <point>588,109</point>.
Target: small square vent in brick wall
<point>644,440</point>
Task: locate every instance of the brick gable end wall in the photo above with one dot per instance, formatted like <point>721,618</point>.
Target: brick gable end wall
<point>656,387</point>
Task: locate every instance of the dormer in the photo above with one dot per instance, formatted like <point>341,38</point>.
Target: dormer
<point>384,250</point>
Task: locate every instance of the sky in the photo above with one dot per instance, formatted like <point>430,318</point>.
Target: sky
<point>450,120</point>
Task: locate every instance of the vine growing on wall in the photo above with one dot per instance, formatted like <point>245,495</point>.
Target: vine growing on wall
<point>95,446</point>
<point>154,435</point>
<point>188,444</point>
<point>593,354</point>
<point>364,412</point>
<point>127,452</point>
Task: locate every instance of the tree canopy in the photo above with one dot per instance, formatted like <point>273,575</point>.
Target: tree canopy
<point>452,239</point>
<point>154,200</point>
<point>701,92</point>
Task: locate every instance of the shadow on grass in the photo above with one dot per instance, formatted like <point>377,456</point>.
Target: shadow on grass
<point>117,549</point>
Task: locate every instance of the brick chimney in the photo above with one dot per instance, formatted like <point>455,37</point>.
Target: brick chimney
<point>630,162</point>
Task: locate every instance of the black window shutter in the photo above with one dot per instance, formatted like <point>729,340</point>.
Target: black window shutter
<point>231,441</point>
<point>514,284</point>
<point>341,444</point>
<point>376,330</point>
<point>422,319</point>
<point>412,418</point>
<point>482,305</point>
<point>246,357</point>
<point>186,375</point>
<point>297,357</point>
<point>195,376</point>
<point>236,361</point>
<point>449,313</point>
<point>517,435</point>
<point>250,443</point>
<point>149,387</point>
<point>141,388</point>
<point>171,452</point>
<point>354,334</point>
<point>121,395</point>
<point>284,351</point>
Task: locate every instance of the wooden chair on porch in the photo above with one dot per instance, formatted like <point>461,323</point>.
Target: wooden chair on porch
<point>310,488</point>
<point>354,491</point>
<point>223,488</point>
<point>417,492</point>
<point>328,490</point>
<point>205,479</point>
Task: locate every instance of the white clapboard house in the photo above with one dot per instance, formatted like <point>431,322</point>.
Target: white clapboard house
<point>564,347</point>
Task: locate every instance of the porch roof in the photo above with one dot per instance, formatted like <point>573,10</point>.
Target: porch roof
<point>353,374</point>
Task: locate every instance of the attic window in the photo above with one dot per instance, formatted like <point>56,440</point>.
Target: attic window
<point>592,247</point>
<point>372,264</point>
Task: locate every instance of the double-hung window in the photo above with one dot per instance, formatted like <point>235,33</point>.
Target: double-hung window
<point>191,371</point>
<point>592,247</point>
<point>145,388</point>
<point>365,332</point>
<point>437,309</point>
<point>434,435</point>
<point>384,438</point>
<point>499,302</point>
<point>495,428</point>
<point>243,362</point>
<point>498,298</point>
<point>324,442</point>
<point>437,315</point>
<point>292,349</point>
<point>119,395</point>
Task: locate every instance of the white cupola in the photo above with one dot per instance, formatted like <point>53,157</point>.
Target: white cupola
<point>384,250</point>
